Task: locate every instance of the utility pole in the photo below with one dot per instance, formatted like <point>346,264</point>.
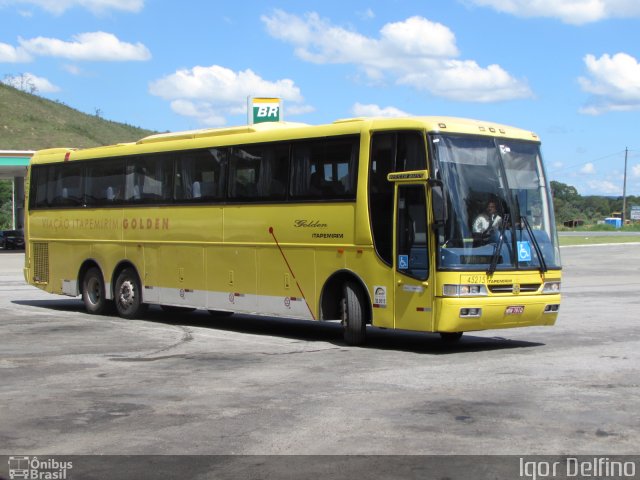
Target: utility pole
<point>624,187</point>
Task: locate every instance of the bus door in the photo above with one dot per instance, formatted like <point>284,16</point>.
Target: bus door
<point>413,291</point>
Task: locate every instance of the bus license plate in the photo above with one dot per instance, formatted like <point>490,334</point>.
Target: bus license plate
<point>515,310</point>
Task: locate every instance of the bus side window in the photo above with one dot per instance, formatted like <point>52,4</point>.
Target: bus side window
<point>148,179</point>
<point>39,181</point>
<point>274,172</point>
<point>199,175</point>
<point>411,153</point>
<point>67,186</point>
<point>104,182</point>
<point>324,169</point>
<point>381,194</point>
<point>412,231</point>
<point>259,172</point>
<point>390,152</point>
<point>244,170</point>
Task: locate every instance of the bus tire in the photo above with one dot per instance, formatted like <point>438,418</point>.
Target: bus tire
<point>93,292</point>
<point>352,314</point>
<point>128,294</point>
<point>450,337</point>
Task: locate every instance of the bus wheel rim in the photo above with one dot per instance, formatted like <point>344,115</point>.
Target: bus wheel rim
<point>127,294</point>
<point>94,291</point>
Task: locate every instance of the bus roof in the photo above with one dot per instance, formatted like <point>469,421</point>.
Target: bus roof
<point>274,131</point>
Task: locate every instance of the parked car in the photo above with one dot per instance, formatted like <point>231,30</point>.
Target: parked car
<point>12,239</point>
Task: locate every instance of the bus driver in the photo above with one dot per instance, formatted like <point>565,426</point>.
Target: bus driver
<point>487,221</point>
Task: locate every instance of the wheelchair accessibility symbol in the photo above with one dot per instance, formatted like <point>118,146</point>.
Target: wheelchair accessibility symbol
<point>403,262</point>
<point>524,251</point>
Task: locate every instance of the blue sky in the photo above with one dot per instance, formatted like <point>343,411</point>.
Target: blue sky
<point>567,69</point>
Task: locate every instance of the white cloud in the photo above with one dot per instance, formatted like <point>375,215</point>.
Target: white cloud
<point>91,46</point>
<point>58,7</point>
<point>209,94</point>
<point>72,69</point>
<point>372,110</point>
<point>415,52</point>
<point>43,85</point>
<point>588,169</point>
<point>576,12</point>
<point>31,83</point>
<point>316,40</point>
<point>367,14</point>
<point>293,109</point>
<point>202,111</point>
<point>11,54</point>
<point>614,81</point>
<point>635,170</point>
<point>605,187</point>
<point>467,81</point>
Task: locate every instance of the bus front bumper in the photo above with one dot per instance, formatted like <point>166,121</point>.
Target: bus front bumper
<point>483,313</point>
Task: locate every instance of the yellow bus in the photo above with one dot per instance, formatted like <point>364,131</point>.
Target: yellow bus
<point>423,224</point>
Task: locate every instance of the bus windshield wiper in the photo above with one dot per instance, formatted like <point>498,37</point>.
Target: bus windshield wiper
<point>496,252</point>
<point>536,245</point>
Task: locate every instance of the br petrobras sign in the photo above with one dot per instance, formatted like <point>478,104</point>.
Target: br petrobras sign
<point>263,109</point>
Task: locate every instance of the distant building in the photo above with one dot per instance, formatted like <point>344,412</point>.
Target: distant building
<point>13,165</point>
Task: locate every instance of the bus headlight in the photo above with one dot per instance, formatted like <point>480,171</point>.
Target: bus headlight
<point>465,290</point>
<point>551,287</point>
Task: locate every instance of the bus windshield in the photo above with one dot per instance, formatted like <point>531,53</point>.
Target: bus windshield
<point>499,210</point>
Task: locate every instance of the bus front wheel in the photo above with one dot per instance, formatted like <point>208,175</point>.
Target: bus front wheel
<point>352,314</point>
<point>93,292</point>
<point>128,294</point>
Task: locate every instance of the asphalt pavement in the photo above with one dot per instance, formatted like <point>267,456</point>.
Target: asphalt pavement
<point>74,383</point>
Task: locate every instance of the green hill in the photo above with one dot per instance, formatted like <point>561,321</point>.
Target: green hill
<point>30,122</point>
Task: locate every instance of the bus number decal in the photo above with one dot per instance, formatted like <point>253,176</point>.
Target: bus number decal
<point>478,279</point>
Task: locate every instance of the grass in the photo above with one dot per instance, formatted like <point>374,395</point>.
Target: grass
<point>30,122</point>
<point>590,240</point>
<point>634,227</point>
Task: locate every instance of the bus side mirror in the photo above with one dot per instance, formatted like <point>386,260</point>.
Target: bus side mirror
<point>438,202</point>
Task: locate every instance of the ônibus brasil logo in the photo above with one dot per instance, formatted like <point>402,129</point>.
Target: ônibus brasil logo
<point>33,468</point>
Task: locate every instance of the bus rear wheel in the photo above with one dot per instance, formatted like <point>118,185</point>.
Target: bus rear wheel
<point>128,294</point>
<point>352,314</point>
<point>93,292</point>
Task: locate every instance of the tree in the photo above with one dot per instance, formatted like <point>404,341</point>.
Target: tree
<point>566,202</point>
<point>596,207</point>
<point>6,210</point>
<point>22,81</point>
<point>563,191</point>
